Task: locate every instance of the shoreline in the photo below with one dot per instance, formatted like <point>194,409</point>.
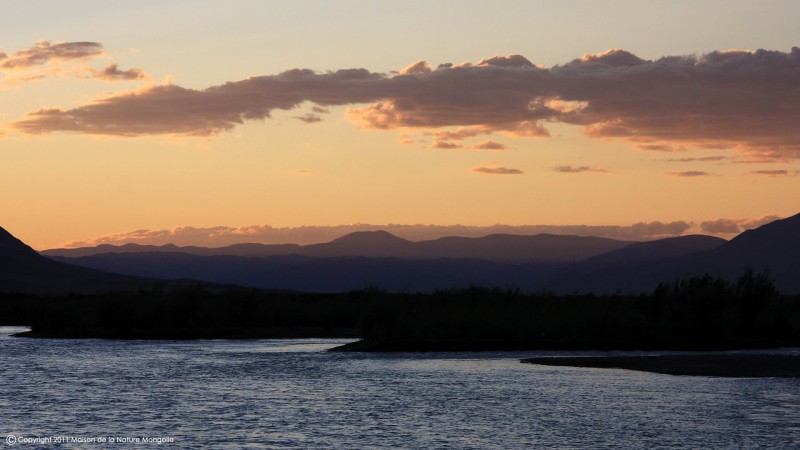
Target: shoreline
<point>704,364</point>
<point>193,333</point>
<point>557,345</point>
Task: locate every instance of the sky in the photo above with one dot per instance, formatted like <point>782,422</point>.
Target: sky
<point>207,122</point>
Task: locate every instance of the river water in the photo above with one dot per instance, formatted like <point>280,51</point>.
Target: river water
<point>291,393</point>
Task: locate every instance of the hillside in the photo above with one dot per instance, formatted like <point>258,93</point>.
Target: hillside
<point>22,270</point>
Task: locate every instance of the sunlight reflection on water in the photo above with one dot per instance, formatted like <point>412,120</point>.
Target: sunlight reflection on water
<point>290,393</point>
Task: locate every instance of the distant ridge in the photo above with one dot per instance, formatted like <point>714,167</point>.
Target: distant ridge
<point>495,247</point>
<point>655,250</point>
<point>560,264</point>
<point>774,247</point>
<point>378,237</point>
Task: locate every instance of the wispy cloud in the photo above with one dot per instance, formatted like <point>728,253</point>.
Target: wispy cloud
<point>773,173</point>
<point>309,118</point>
<point>579,169</point>
<point>490,145</point>
<point>460,134</point>
<point>498,170</point>
<point>445,145</point>
<point>112,73</point>
<point>46,59</point>
<point>44,51</point>
<point>700,159</point>
<point>689,174</point>
<point>744,99</point>
<point>660,148</point>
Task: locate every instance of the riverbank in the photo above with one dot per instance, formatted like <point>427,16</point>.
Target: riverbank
<point>193,333</point>
<point>733,365</point>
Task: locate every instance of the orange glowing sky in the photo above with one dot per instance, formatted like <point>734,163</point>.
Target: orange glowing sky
<point>122,121</point>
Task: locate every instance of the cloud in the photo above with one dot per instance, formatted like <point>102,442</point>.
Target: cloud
<point>721,226</point>
<point>700,159</point>
<point>771,173</point>
<point>689,174</point>
<point>44,51</point>
<point>490,145</point>
<point>659,229</point>
<point>223,235</point>
<point>171,109</point>
<point>112,73</point>
<point>498,171</point>
<point>46,59</point>
<point>723,99</point>
<point>660,148</point>
<point>579,169</point>
<point>735,226</point>
<point>309,118</point>
<point>444,145</point>
<point>417,67</point>
<point>460,134</point>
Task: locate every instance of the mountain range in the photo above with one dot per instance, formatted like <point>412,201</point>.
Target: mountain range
<point>542,248</point>
<point>561,264</point>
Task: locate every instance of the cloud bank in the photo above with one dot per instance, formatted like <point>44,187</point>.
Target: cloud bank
<point>735,226</point>
<point>723,99</point>
<point>223,236</point>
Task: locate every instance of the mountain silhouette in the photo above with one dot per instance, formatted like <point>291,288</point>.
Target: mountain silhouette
<point>547,248</point>
<point>561,264</point>
<point>659,249</point>
<point>526,262</point>
<point>774,247</point>
<point>23,270</point>
<point>496,247</point>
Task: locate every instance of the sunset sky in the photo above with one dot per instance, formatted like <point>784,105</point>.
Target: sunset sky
<point>139,121</point>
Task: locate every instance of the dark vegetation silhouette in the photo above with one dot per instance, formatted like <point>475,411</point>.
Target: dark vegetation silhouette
<point>693,314</point>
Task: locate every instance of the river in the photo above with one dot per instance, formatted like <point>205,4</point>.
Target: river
<point>291,393</point>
